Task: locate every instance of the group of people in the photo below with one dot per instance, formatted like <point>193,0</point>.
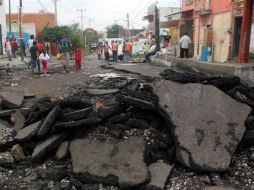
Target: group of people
<point>11,47</point>
<point>39,55</point>
<point>106,48</point>
<point>68,51</point>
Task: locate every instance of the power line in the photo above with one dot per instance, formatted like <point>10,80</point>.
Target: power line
<point>55,7</point>
<point>142,9</point>
<point>81,17</point>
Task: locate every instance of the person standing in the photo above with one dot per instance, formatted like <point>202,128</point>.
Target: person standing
<point>65,55</point>
<point>127,49</point>
<point>47,48</point>
<point>30,42</point>
<point>150,52</point>
<point>106,52</point>
<point>115,51</point>
<point>77,53</point>
<point>99,51</point>
<point>34,56</point>
<point>145,48</point>
<point>14,46</point>
<point>44,59</point>
<point>8,48</point>
<point>184,43</point>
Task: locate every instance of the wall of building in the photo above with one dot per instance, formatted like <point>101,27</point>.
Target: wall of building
<point>187,6</point>
<point>39,19</point>
<point>3,24</point>
<point>223,5</point>
<point>27,28</point>
<point>252,39</point>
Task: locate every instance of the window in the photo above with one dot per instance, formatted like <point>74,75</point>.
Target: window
<point>189,2</point>
<point>170,18</point>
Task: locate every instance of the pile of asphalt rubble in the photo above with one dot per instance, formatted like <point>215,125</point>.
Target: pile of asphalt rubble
<point>187,118</point>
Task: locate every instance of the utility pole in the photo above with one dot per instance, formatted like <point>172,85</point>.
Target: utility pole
<point>10,16</point>
<point>128,25</point>
<point>81,18</point>
<point>20,31</point>
<point>246,31</point>
<point>55,7</point>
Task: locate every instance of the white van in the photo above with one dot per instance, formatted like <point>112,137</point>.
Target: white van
<point>110,42</point>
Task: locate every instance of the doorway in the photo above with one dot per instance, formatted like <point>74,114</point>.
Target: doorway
<point>1,41</point>
<point>237,36</point>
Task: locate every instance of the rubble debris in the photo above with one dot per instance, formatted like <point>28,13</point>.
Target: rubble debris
<point>223,82</point>
<point>137,123</point>
<point>209,125</point>
<point>110,163</point>
<point>84,123</point>
<point>49,121</point>
<point>73,102</point>
<point>19,121</point>
<point>12,100</point>
<point>46,146</point>
<point>17,153</point>
<point>63,150</point>
<point>28,132</point>
<point>138,103</point>
<point>99,106</point>
<point>159,175</point>
<point>99,92</point>
<point>248,138</point>
<point>6,113</point>
<point>109,111</point>
<point>6,136</point>
<point>77,115</point>
<point>39,110</point>
<point>220,188</point>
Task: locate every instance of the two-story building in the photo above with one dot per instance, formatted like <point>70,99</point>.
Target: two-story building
<point>214,25</point>
<point>2,26</point>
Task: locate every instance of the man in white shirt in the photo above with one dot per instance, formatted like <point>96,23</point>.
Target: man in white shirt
<point>184,43</point>
<point>150,52</point>
<point>30,42</point>
<point>7,46</point>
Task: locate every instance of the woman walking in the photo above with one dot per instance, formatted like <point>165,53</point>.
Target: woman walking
<point>44,59</point>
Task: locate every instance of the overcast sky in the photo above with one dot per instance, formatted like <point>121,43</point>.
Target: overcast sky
<point>101,13</point>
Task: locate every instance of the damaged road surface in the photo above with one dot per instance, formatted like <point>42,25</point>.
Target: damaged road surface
<point>183,130</point>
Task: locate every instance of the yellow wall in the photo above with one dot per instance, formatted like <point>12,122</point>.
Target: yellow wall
<point>221,37</point>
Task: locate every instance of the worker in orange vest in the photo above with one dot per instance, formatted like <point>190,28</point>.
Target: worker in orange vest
<point>115,51</point>
<point>127,50</point>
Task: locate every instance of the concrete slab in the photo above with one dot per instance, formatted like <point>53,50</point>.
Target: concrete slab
<point>143,69</point>
<point>244,71</point>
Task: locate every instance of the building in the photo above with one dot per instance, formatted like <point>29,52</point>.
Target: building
<point>2,26</point>
<point>90,30</point>
<point>166,17</point>
<point>30,20</point>
<point>215,26</point>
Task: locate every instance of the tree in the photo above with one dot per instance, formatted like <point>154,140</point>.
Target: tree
<point>157,29</point>
<point>114,30</point>
<point>55,34</point>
